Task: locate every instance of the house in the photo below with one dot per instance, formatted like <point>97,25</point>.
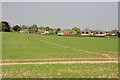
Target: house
<point>67,32</point>
<point>87,32</point>
<point>46,32</point>
<point>73,32</point>
<point>43,31</point>
<point>24,31</point>
<point>61,33</point>
<point>100,33</point>
<point>54,31</point>
<point>113,32</point>
<point>50,31</point>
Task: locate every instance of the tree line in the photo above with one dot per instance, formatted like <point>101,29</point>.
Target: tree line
<point>32,29</point>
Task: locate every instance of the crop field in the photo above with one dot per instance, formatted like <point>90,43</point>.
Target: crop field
<point>50,56</point>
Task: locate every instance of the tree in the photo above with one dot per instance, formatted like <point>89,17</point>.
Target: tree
<point>77,30</point>
<point>33,29</point>
<point>47,28</point>
<point>109,33</point>
<point>5,26</point>
<point>0,26</point>
<point>118,34</point>
<point>11,29</point>
<point>57,30</point>
<point>41,27</point>
<point>51,29</point>
<point>16,28</point>
<point>24,27</point>
<point>67,29</point>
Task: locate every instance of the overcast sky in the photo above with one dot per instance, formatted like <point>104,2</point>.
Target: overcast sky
<point>92,15</point>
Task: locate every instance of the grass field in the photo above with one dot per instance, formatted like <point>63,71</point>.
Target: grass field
<point>50,53</point>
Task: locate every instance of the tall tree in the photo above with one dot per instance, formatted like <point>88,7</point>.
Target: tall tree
<point>33,29</point>
<point>0,26</point>
<point>67,29</point>
<point>41,27</point>
<point>47,28</point>
<point>109,33</point>
<point>51,29</point>
<point>118,34</point>
<point>16,28</point>
<point>24,27</point>
<point>77,30</point>
<point>57,30</point>
<point>5,26</point>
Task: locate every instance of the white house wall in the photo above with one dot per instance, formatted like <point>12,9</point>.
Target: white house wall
<point>100,34</point>
<point>85,34</point>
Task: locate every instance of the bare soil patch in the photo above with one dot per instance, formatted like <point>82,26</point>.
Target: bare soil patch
<point>61,62</point>
<point>59,59</point>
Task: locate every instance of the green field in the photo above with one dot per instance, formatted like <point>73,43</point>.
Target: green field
<point>50,48</point>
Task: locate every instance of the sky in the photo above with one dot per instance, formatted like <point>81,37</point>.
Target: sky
<point>119,16</point>
<point>65,15</point>
<point>60,0</point>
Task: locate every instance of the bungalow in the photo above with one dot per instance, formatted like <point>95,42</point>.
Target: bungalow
<point>43,31</point>
<point>87,32</point>
<point>46,32</point>
<point>73,32</point>
<point>54,31</point>
<point>113,32</point>
<point>50,31</point>
<point>67,32</point>
<point>70,32</point>
<point>100,33</point>
<point>24,31</point>
<point>61,33</point>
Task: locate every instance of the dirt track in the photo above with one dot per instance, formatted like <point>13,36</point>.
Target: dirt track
<point>107,55</point>
<point>58,59</point>
<point>61,62</point>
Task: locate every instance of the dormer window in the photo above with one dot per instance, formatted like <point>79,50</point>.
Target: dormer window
<point>101,33</point>
<point>96,32</point>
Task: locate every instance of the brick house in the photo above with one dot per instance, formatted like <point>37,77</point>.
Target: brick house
<point>61,33</point>
<point>100,33</point>
<point>87,32</point>
<point>43,31</point>
<point>67,32</point>
<point>73,32</point>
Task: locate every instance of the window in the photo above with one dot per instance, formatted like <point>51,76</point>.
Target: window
<point>96,32</point>
<point>86,32</point>
<point>101,33</point>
